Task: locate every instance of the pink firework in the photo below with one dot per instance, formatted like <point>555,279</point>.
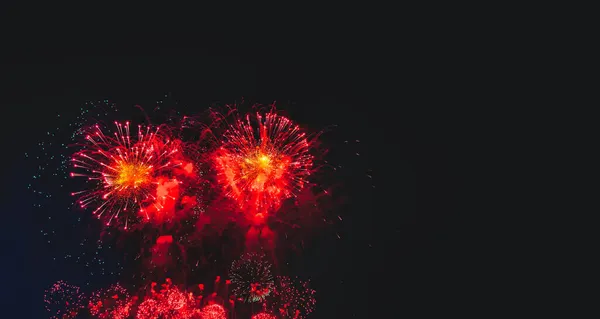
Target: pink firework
<point>109,303</point>
<point>63,301</point>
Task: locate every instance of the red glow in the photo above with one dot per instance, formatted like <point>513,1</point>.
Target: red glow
<point>262,161</point>
<point>189,168</point>
<point>165,239</point>
<point>164,250</point>
<point>163,207</point>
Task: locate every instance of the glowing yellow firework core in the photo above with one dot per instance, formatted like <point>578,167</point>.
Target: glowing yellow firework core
<point>260,162</point>
<point>133,174</point>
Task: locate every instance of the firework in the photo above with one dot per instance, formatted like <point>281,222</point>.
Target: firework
<point>123,311</point>
<point>213,311</point>
<point>262,161</point>
<point>63,301</point>
<point>168,303</point>
<point>251,277</point>
<point>123,170</point>
<point>293,298</point>
<point>109,303</point>
<point>263,315</point>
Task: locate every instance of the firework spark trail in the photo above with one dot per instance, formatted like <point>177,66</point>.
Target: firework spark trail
<point>262,161</point>
<point>125,171</point>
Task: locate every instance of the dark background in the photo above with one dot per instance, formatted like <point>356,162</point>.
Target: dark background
<point>394,89</point>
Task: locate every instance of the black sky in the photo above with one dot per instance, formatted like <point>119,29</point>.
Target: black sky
<point>392,90</point>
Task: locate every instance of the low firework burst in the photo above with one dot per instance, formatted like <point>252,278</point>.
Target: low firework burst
<point>107,303</point>
<point>63,301</point>
<point>293,298</point>
<point>213,311</point>
<point>264,315</point>
<point>170,302</point>
<point>251,277</point>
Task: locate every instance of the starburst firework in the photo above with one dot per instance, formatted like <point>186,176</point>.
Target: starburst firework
<point>251,277</point>
<point>262,161</point>
<point>123,171</point>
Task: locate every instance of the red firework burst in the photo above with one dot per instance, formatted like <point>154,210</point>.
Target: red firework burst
<point>293,298</point>
<point>168,303</point>
<point>263,315</point>
<point>125,172</point>
<point>214,311</point>
<point>262,161</point>
<point>110,303</point>
<point>124,310</point>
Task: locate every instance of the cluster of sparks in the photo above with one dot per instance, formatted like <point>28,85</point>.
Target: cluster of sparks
<point>263,315</point>
<point>169,302</point>
<point>288,298</point>
<point>251,277</point>
<point>293,298</point>
<point>130,176</point>
<point>111,303</point>
<point>262,161</point>
<point>213,311</point>
<point>63,300</point>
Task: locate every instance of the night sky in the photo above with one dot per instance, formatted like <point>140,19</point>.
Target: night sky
<point>399,251</point>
